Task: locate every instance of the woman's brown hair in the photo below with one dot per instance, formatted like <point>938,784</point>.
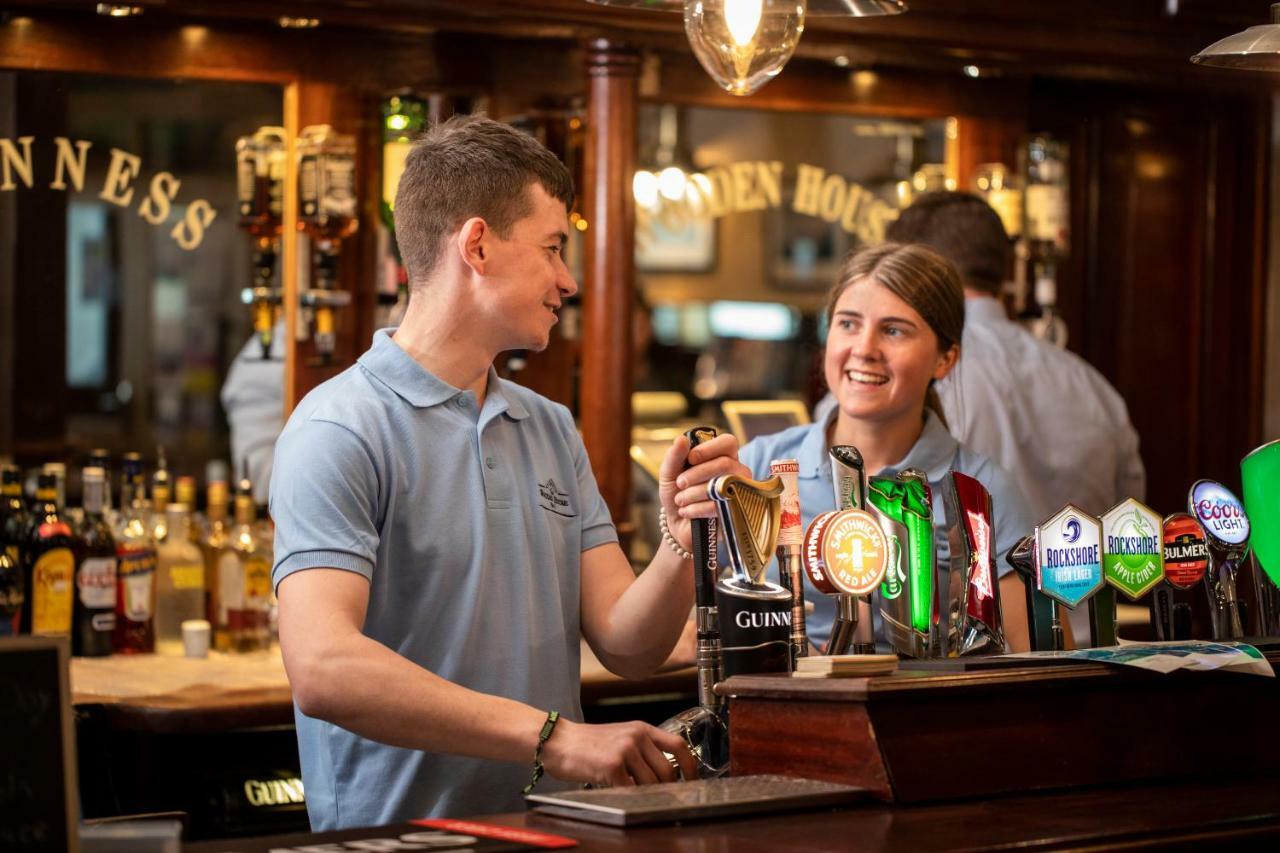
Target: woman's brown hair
<point>918,276</point>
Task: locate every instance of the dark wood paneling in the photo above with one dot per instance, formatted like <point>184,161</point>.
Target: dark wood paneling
<point>1167,268</point>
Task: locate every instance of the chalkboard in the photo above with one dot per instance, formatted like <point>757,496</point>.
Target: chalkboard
<point>38,808</point>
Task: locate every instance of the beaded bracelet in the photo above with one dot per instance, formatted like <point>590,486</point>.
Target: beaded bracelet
<point>547,728</point>
<point>669,539</point>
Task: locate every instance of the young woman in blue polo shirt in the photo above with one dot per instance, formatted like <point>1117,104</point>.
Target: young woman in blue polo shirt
<point>895,319</point>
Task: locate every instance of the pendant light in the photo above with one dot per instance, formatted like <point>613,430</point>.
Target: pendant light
<point>743,44</point>
<point>1257,48</point>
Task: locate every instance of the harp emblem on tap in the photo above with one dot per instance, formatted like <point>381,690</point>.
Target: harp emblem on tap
<point>751,515</point>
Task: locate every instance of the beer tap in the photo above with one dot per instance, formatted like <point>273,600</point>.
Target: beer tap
<point>852,630</point>
<point>704,727</point>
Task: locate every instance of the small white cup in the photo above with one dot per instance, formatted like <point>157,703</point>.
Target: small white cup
<point>195,638</point>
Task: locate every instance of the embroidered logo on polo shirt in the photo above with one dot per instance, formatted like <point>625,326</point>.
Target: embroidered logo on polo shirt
<point>554,500</point>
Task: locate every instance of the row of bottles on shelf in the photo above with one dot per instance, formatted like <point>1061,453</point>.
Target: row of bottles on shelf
<point>123,578</point>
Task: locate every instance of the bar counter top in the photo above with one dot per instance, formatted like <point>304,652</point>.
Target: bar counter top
<point>1238,814</point>
<point>161,693</point>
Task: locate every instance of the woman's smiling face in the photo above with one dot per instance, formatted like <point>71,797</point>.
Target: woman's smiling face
<point>881,354</point>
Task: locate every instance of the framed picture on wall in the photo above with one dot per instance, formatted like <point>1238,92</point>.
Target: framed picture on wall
<point>675,244</point>
<point>749,419</point>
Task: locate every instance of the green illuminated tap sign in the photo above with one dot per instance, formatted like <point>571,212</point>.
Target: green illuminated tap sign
<point>1132,552</point>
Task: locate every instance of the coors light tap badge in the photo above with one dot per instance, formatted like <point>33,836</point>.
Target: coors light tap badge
<point>1222,516</point>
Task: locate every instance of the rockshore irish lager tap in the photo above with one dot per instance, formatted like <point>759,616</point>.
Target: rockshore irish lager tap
<point>1227,527</point>
<point>1186,558</point>
<point>973,589</point>
<point>790,549</point>
<point>852,630</point>
<point>1069,560</point>
<point>1132,562</point>
<point>755,615</point>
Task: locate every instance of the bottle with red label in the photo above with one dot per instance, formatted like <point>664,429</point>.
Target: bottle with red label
<point>49,564</point>
<point>244,581</point>
<point>94,610</point>
<point>15,521</point>
<point>135,567</point>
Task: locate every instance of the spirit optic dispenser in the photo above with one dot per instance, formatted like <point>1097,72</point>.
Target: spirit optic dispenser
<point>260,166</point>
<point>327,215</point>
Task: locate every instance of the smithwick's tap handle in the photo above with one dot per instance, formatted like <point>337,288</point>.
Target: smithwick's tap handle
<point>790,552</point>
<point>852,630</point>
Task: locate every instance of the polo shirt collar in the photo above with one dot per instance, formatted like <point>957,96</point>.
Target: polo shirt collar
<point>418,387</point>
<point>984,310</point>
<point>933,452</point>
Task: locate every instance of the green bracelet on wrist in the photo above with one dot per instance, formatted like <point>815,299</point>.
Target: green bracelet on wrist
<point>547,728</point>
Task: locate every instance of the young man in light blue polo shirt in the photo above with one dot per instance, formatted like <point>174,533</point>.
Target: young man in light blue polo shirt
<point>440,541</point>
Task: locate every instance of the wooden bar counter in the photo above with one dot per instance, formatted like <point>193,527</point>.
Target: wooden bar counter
<point>925,736</point>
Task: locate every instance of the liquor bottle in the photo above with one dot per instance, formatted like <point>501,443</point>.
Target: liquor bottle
<point>327,211</point>
<point>244,581</point>
<point>100,457</point>
<point>14,521</point>
<point>184,492</point>
<point>161,494</point>
<point>136,567</point>
<point>49,565</point>
<point>179,581</point>
<point>1047,233</point>
<point>94,609</point>
<point>216,540</point>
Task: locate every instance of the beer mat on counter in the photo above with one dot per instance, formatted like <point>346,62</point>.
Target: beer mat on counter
<point>844,666</point>
<point>671,802</point>
<point>431,834</point>
<point>1187,655</point>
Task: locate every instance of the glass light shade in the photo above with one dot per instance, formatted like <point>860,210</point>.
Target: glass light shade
<point>743,44</point>
<point>1257,48</point>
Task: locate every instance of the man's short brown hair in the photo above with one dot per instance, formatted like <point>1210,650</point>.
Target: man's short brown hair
<point>962,228</point>
<point>469,166</point>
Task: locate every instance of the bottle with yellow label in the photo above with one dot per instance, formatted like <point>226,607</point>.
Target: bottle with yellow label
<point>244,581</point>
<point>15,521</point>
<point>179,581</point>
<point>216,540</point>
<point>50,565</point>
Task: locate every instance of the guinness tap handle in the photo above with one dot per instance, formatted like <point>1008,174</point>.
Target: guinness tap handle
<point>703,535</point>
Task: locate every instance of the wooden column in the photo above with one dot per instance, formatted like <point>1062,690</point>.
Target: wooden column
<point>605,394</point>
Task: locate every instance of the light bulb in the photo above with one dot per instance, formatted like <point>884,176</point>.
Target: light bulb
<point>671,183</point>
<point>644,186</point>
<point>743,44</point>
<point>743,19</point>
